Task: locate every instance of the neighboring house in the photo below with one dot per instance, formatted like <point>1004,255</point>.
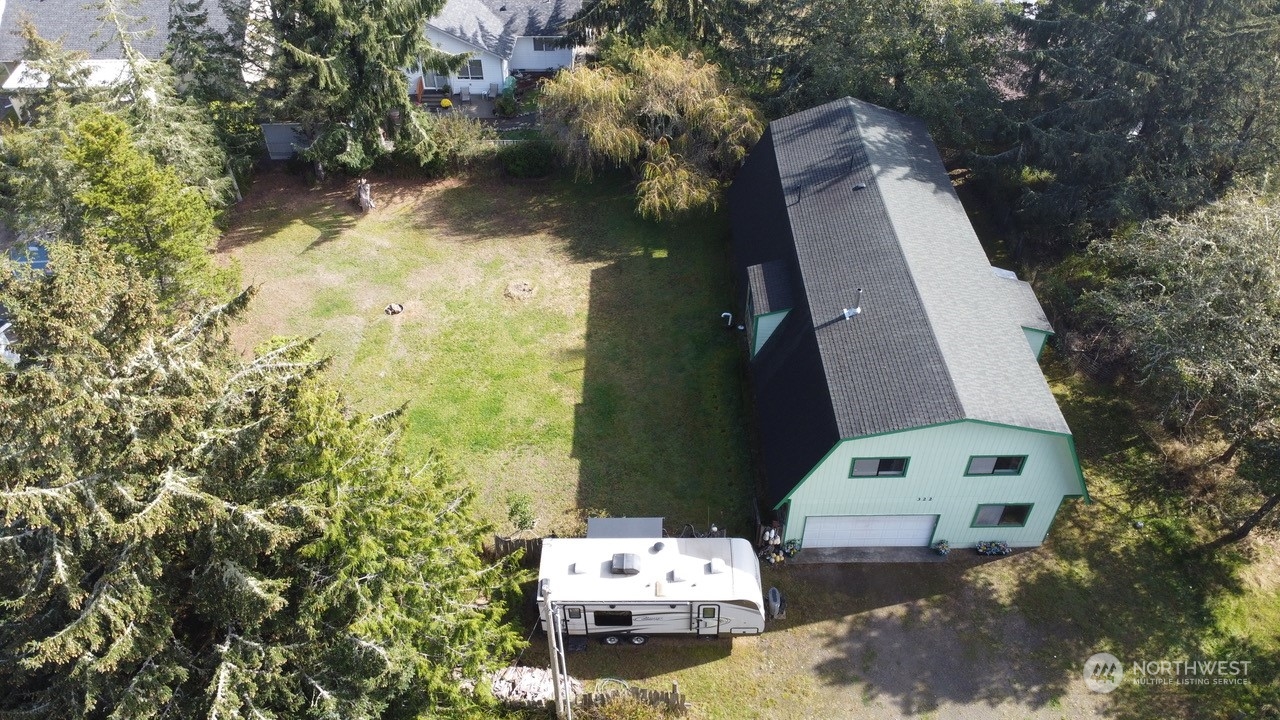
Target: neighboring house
<point>80,28</point>
<point>502,37</point>
<point>913,410</point>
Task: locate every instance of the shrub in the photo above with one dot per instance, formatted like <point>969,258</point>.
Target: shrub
<point>529,159</point>
<point>460,140</point>
<point>506,104</point>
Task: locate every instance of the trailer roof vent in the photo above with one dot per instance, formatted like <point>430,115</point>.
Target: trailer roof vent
<point>678,576</point>
<point>625,564</point>
<point>660,589</point>
<point>577,569</point>
<point>716,566</point>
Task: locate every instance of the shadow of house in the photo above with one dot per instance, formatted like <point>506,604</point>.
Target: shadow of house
<point>659,431</point>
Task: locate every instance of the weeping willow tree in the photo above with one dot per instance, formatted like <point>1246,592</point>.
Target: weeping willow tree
<point>671,117</point>
<point>188,534</point>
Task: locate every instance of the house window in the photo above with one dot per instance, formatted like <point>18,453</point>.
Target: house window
<point>473,70</point>
<point>1001,515</point>
<point>996,465</point>
<point>545,44</point>
<point>613,618</point>
<point>874,467</point>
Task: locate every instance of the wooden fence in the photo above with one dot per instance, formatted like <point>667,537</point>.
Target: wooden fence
<point>503,547</point>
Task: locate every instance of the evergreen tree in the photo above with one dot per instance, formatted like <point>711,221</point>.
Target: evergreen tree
<point>184,534</point>
<point>141,210</point>
<point>338,69</point>
<point>936,59</point>
<point>672,117</point>
<point>1138,109</point>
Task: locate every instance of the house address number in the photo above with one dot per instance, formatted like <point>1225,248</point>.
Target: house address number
<point>924,499</point>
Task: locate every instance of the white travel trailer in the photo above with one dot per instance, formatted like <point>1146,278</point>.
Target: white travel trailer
<point>626,589</point>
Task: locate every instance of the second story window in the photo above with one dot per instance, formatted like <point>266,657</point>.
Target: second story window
<point>878,467</point>
<point>996,465</point>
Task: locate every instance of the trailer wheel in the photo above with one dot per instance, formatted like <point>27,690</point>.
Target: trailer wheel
<point>610,639</point>
<point>638,639</point>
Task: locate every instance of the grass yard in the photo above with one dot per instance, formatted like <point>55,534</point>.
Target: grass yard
<point>613,385</point>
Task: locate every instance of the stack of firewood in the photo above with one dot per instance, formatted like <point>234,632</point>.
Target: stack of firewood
<point>528,686</point>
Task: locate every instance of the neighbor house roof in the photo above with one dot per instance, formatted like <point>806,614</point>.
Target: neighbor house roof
<point>867,203</point>
<point>79,26</point>
<point>494,25</point>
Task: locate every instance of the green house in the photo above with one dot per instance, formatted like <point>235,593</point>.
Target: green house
<point>898,395</point>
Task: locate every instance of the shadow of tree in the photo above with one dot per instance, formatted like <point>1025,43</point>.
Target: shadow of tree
<point>280,199</point>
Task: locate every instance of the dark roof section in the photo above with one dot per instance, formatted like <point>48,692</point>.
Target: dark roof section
<point>883,368</point>
<point>849,195</point>
<point>495,24</point>
<point>78,25</point>
<point>770,287</point>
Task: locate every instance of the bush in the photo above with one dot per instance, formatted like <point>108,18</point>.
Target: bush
<point>460,140</point>
<point>506,104</point>
<point>529,159</point>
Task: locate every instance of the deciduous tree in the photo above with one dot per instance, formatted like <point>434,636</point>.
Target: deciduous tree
<point>671,117</point>
<point>1195,302</point>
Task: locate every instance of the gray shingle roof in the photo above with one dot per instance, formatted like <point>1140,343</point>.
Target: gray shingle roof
<point>78,25</point>
<point>495,24</point>
<point>770,287</point>
<point>939,338</point>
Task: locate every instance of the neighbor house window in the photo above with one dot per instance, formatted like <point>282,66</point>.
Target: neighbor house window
<point>1001,515</point>
<point>545,44</point>
<point>996,465</point>
<point>877,467</point>
<point>613,618</point>
<point>473,70</point>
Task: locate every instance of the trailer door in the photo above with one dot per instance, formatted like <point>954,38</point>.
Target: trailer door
<point>709,620</point>
<point>575,619</point>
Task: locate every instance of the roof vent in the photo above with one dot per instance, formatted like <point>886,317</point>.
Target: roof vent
<point>851,313</point>
<point>657,547</point>
<point>660,589</point>
<point>625,564</point>
<point>716,566</point>
<point>677,576</point>
<point>577,569</point>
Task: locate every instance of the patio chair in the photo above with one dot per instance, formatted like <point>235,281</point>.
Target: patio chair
<point>493,91</point>
<point>466,93</point>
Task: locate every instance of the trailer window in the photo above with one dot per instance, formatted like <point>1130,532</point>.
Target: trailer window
<point>709,612</point>
<point>613,618</point>
<point>575,613</point>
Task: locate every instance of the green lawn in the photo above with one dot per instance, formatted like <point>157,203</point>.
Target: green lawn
<point>613,386</point>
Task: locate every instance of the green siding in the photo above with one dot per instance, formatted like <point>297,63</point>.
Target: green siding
<point>764,327</point>
<point>937,484</point>
<point>1036,339</point>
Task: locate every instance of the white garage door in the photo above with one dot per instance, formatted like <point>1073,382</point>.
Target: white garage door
<point>869,531</point>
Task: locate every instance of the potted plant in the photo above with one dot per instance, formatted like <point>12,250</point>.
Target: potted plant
<point>942,547</point>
